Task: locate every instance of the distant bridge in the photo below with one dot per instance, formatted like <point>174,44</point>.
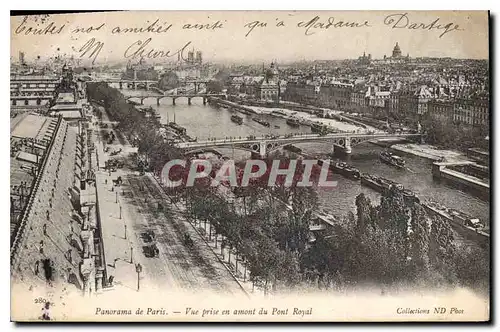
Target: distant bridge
<point>263,145</point>
<point>189,96</point>
<point>146,84</point>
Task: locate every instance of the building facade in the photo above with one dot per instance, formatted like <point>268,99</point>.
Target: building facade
<point>471,111</point>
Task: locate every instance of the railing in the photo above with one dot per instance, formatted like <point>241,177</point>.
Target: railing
<point>22,223</point>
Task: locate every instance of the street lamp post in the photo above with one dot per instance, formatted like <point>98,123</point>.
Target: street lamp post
<point>138,269</point>
<point>131,254</point>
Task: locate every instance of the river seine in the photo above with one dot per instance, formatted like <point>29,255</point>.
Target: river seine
<point>204,121</point>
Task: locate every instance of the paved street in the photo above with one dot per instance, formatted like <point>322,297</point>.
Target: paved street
<point>178,266</point>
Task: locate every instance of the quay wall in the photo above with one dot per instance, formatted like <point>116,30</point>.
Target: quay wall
<point>461,180</point>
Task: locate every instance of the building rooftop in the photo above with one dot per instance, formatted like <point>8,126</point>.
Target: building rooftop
<point>48,236</point>
<point>32,126</point>
<point>65,97</point>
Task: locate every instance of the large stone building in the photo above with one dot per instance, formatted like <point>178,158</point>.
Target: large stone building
<point>469,111</point>
<point>69,98</point>
<point>336,95</point>
<point>32,91</point>
<point>55,245</point>
<point>413,102</point>
<point>472,111</point>
<point>396,56</point>
<point>269,89</point>
<point>302,92</point>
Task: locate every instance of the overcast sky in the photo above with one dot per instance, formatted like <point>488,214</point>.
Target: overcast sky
<point>455,34</point>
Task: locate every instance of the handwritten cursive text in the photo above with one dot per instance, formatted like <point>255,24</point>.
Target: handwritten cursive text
<point>49,29</point>
<point>402,21</point>
<point>92,45</point>
<point>141,50</point>
<point>316,23</point>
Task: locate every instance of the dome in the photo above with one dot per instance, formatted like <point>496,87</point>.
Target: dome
<point>396,52</point>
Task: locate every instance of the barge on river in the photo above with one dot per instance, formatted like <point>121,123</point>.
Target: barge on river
<point>262,122</point>
<point>463,223</point>
<point>237,119</point>
<point>292,122</point>
<point>346,170</point>
<point>381,184</point>
<point>391,159</point>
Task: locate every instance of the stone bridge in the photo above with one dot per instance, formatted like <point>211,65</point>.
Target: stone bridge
<point>189,96</point>
<point>261,146</point>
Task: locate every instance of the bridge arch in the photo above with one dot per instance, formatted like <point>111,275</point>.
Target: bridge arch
<point>85,78</point>
<point>203,150</point>
<point>251,149</point>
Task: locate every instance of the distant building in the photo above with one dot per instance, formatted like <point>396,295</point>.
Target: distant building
<point>302,92</point>
<point>199,58</point>
<point>190,58</point>
<point>336,95</point>
<point>269,89</point>
<point>140,71</point>
<point>365,59</point>
<point>396,52</point>
<point>68,101</point>
<point>397,56</point>
<point>471,111</point>
<point>21,58</point>
<point>441,109</point>
<point>414,102</point>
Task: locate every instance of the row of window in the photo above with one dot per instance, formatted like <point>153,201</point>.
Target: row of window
<point>26,102</point>
<point>469,120</point>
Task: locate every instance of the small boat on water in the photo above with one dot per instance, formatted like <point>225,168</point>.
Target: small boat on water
<point>391,159</point>
<point>292,148</point>
<point>347,170</point>
<point>317,127</point>
<point>381,184</point>
<point>177,129</point>
<point>262,122</point>
<point>237,119</point>
<point>279,113</point>
<point>292,122</point>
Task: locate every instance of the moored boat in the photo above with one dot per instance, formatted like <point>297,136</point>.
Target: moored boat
<point>318,127</point>
<point>178,129</point>
<point>237,119</point>
<point>293,122</point>
<point>391,159</point>
<point>381,184</point>
<point>470,226</point>
<point>279,113</point>
<point>262,122</point>
<point>346,170</point>
<point>292,148</point>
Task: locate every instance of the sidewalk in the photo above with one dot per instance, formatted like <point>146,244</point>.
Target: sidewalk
<point>241,273</point>
<point>119,242</point>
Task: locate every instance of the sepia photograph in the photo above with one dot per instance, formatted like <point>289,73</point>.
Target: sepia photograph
<point>247,166</point>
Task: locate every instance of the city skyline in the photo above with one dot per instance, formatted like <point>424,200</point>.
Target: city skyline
<point>465,38</point>
<point>191,166</point>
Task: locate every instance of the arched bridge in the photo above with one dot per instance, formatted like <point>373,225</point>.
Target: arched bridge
<point>264,145</point>
<point>130,83</point>
<point>189,96</point>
